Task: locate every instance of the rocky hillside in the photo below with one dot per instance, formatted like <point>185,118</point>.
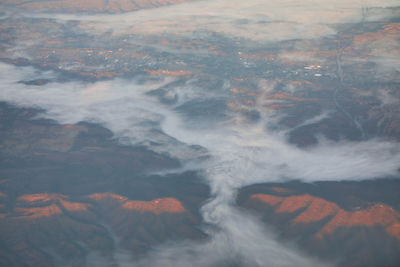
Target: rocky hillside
<point>53,227</point>
<point>70,194</point>
<point>352,232</point>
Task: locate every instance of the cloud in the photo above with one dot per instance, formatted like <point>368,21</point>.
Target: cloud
<point>242,241</point>
<point>265,20</point>
<point>121,106</point>
<point>239,154</point>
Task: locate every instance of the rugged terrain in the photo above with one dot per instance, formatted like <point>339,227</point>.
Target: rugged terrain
<point>83,193</point>
<point>350,223</point>
<point>70,193</point>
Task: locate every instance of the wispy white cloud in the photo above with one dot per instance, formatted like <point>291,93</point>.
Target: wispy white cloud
<point>240,154</point>
<point>241,241</point>
<point>255,20</point>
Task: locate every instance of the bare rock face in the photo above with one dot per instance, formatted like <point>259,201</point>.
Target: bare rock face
<point>90,6</point>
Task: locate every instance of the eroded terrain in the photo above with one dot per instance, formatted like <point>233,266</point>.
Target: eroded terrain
<point>136,132</point>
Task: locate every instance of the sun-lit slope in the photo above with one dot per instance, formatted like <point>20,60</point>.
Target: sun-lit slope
<point>157,206</point>
<point>346,226</point>
<point>315,209</point>
<point>45,205</point>
<point>68,192</point>
<point>40,226</point>
<point>69,230</point>
<point>141,224</point>
<point>95,6</point>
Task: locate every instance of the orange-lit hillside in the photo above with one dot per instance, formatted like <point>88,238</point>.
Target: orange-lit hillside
<point>285,96</point>
<point>44,205</point>
<point>36,198</point>
<point>169,72</point>
<point>157,206</point>
<point>40,205</point>
<point>34,213</point>
<point>314,209</point>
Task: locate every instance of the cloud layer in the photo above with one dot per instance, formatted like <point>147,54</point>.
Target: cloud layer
<point>256,20</point>
<point>239,154</point>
